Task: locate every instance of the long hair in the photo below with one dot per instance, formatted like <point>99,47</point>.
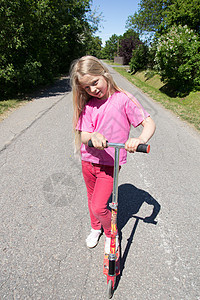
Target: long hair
<point>86,65</point>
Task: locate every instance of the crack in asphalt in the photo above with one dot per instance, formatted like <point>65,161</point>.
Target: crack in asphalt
<point>37,118</point>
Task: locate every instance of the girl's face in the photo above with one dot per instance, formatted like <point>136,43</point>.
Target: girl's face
<point>95,86</point>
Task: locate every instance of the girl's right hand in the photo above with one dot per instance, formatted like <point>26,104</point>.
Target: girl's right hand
<point>98,140</point>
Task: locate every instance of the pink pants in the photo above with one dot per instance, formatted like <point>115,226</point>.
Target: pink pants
<point>99,184</point>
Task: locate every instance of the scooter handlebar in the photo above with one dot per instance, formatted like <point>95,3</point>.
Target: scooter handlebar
<point>145,148</point>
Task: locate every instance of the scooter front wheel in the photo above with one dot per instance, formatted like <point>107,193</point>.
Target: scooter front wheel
<point>110,289</point>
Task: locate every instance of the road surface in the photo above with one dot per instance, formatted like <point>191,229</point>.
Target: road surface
<point>44,217</point>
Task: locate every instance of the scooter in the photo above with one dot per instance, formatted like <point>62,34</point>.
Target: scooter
<point>111,265</point>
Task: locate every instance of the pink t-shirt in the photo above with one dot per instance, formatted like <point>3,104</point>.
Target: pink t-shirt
<point>112,118</point>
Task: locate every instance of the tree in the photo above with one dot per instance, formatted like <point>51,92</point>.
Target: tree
<point>183,12</point>
<point>140,58</point>
<point>177,62</point>
<point>157,16</point>
<point>111,47</point>
<point>128,42</point>
<point>94,46</point>
<point>149,16</point>
<point>178,58</point>
<point>130,33</point>
<point>39,39</point>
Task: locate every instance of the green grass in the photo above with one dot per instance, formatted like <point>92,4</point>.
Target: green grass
<point>8,106</point>
<point>187,108</point>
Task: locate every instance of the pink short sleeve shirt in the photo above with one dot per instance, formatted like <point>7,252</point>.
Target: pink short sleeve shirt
<point>112,118</point>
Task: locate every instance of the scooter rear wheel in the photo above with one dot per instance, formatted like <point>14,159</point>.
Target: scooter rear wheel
<point>110,289</point>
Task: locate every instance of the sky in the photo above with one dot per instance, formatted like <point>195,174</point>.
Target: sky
<point>115,14</point>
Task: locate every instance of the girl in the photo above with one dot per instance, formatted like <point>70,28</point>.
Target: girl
<point>103,112</point>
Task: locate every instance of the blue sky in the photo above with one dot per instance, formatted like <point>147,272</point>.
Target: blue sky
<point>115,14</point>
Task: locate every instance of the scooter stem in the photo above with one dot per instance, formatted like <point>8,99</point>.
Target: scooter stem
<point>116,172</point>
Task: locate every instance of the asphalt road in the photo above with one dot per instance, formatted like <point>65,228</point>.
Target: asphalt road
<point>44,217</point>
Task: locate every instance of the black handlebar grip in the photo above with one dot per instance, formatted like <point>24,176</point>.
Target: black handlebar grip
<point>90,143</point>
<point>143,148</point>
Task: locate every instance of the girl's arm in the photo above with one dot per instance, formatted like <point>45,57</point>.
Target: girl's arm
<point>147,132</point>
<point>98,140</point>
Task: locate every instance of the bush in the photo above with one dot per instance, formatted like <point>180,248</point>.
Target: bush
<point>178,58</point>
<point>15,79</point>
<point>139,58</point>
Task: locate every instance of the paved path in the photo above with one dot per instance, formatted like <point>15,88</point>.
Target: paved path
<point>44,217</point>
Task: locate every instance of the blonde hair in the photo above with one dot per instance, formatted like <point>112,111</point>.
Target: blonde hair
<point>86,65</point>
<point>90,65</point>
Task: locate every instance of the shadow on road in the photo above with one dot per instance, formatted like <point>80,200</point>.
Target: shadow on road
<point>60,86</point>
<point>130,201</point>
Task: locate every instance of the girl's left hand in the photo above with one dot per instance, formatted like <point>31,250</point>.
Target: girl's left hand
<point>132,144</point>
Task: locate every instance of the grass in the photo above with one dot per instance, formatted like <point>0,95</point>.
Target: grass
<point>7,106</point>
<point>187,108</point>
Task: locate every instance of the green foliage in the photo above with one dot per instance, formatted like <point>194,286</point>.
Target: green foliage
<point>122,45</point>
<point>39,39</point>
<point>140,58</point>
<point>94,47</point>
<point>159,15</point>
<point>188,108</point>
<point>183,12</point>
<point>111,47</point>
<point>178,58</point>
<point>149,16</point>
<point>130,33</point>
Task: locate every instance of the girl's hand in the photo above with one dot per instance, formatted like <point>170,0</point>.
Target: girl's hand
<point>132,144</point>
<point>98,140</point>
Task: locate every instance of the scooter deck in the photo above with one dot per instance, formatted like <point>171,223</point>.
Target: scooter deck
<point>106,263</point>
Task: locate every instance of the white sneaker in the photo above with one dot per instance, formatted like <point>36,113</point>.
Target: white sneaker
<point>93,238</point>
<point>107,244</point>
